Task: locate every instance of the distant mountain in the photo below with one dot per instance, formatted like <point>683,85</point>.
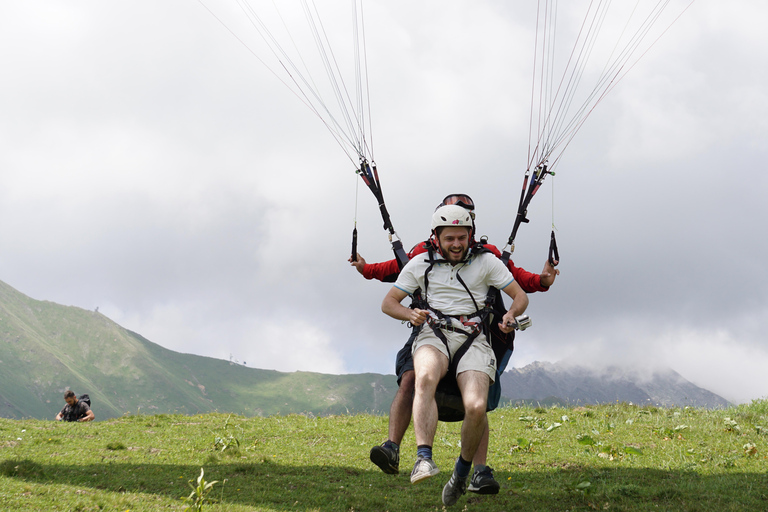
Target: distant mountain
<point>46,348</point>
<point>570,385</point>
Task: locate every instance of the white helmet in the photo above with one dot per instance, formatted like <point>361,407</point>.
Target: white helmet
<point>451,215</point>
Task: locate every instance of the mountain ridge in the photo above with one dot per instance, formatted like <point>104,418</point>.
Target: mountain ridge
<point>47,348</point>
<point>577,384</point>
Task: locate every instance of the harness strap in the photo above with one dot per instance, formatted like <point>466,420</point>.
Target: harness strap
<point>475,327</point>
<point>370,176</point>
<point>453,360</point>
<point>446,321</point>
<point>453,366</point>
<point>461,281</point>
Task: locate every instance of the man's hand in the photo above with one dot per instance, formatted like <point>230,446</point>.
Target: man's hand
<point>392,307</point>
<point>509,323</point>
<point>418,316</point>
<point>359,264</point>
<point>518,307</point>
<point>548,275</point>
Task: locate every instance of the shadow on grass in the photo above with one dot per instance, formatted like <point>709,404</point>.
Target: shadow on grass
<point>282,487</point>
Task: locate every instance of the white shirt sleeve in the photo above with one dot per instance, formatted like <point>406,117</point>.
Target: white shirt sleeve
<point>407,281</point>
<point>499,275</point>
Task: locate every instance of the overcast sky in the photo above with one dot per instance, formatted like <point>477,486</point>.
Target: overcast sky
<point>154,168</point>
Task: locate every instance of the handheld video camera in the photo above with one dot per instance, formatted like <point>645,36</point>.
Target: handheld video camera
<point>522,322</point>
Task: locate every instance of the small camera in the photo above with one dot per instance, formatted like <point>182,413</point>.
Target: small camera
<point>522,322</point>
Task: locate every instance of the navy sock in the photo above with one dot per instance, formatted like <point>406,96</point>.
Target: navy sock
<point>424,450</point>
<point>463,467</point>
<point>390,444</point>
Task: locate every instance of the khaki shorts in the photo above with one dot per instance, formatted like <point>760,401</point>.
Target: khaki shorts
<point>479,357</point>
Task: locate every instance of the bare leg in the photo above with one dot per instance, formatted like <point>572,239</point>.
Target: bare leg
<point>386,456</point>
<point>400,410</point>
<point>482,480</point>
<point>481,455</point>
<point>474,393</point>
<point>430,365</point>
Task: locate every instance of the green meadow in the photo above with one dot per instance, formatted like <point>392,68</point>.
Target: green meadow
<point>611,457</point>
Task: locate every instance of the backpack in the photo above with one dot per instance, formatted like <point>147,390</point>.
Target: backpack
<point>85,398</point>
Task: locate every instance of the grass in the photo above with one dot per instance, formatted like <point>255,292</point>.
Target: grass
<point>613,457</point>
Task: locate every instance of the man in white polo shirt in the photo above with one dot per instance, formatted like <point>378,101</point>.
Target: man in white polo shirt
<point>453,282</point>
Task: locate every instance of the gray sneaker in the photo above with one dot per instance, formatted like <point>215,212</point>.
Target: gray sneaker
<point>387,458</point>
<point>423,469</point>
<point>483,482</point>
<point>454,489</point>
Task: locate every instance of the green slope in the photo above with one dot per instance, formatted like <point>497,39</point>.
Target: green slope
<point>46,348</point>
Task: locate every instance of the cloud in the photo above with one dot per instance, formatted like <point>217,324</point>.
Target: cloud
<point>720,362</point>
<point>153,167</point>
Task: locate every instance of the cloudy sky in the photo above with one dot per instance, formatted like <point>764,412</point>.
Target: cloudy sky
<point>154,168</point>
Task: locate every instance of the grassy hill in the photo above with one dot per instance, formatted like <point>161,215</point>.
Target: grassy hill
<point>46,348</point>
<point>610,457</point>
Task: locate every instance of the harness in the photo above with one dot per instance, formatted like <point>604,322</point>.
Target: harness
<point>448,396</point>
<point>470,326</point>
